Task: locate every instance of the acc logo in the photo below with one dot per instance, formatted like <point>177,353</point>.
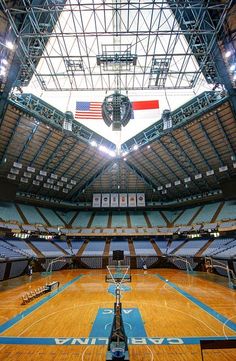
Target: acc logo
<point>111,312</point>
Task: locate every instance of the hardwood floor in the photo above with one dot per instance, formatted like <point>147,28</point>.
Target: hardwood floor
<point>166,313</point>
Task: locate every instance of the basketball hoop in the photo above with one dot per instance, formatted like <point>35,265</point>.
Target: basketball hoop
<point>118,274</point>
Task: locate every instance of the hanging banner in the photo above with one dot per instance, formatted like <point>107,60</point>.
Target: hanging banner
<point>123,200</point>
<point>114,200</point>
<point>140,199</point>
<point>96,200</point>
<point>106,200</point>
<point>132,199</point>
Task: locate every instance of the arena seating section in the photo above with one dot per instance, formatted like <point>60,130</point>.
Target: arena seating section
<point>168,221</point>
<point>92,236</point>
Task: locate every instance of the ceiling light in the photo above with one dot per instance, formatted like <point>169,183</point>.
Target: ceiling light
<point>112,153</point>
<point>103,149</point>
<point>9,45</point>
<point>135,147</point>
<point>232,67</point>
<point>4,62</point>
<point>2,71</point>
<point>148,147</point>
<point>93,143</point>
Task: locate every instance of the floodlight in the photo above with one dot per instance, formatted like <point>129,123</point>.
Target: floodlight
<point>93,143</point>
<point>9,45</point>
<point>2,71</point>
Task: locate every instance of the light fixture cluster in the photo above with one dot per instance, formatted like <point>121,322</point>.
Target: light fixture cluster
<point>103,149</point>
<point>185,181</point>
<point>42,179</point>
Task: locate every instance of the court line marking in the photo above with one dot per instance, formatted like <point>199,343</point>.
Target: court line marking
<point>84,353</point>
<point>5,326</point>
<point>222,319</point>
<point>98,303</point>
<point>225,325</point>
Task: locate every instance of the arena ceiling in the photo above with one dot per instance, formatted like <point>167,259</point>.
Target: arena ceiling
<point>129,45</point>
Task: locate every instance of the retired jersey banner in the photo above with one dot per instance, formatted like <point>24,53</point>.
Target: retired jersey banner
<point>106,200</point>
<point>96,200</point>
<point>132,199</point>
<point>114,200</point>
<point>140,199</point>
<point>123,200</point>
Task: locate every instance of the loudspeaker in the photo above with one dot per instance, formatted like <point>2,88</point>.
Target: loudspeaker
<point>118,255</point>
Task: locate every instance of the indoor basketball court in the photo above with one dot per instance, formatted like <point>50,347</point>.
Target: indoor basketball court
<point>166,313</point>
<point>118,180</point>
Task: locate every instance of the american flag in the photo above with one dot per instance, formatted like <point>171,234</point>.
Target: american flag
<point>88,110</point>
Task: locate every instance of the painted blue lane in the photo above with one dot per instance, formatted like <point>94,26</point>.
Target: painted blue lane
<point>230,324</point>
<point>63,341</point>
<point>132,320</point>
<point>34,307</point>
<point>112,289</point>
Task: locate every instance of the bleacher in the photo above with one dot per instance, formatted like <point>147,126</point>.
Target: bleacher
<point>156,219</point>
<point>12,217</point>
<point>174,244</point>
<point>76,245</point>
<point>67,216</point>
<point>216,246</point>
<point>122,244</point>
<point>206,213</point>
<point>82,219</point>
<point>144,248</point>
<point>31,214</point>
<point>119,219</point>
<point>100,219</point>
<point>162,244</point>
<point>8,212</point>
<point>10,252</point>
<point>137,219</point>
<point>64,245</point>
<point>51,217</point>
<point>22,246</point>
<point>186,216</point>
<point>47,248</point>
<point>191,247</point>
<point>228,211</point>
<point>94,248</point>
<point>228,251</point>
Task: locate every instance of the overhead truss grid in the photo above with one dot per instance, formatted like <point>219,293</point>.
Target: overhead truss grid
<point>102,45</point>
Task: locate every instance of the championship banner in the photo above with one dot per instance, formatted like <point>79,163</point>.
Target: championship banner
<point>96,200</point>
<point>140,199</point>
<point>106,200</point>
<point>132,199</point>
<point>123,200</point>
<point>114,200</point>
